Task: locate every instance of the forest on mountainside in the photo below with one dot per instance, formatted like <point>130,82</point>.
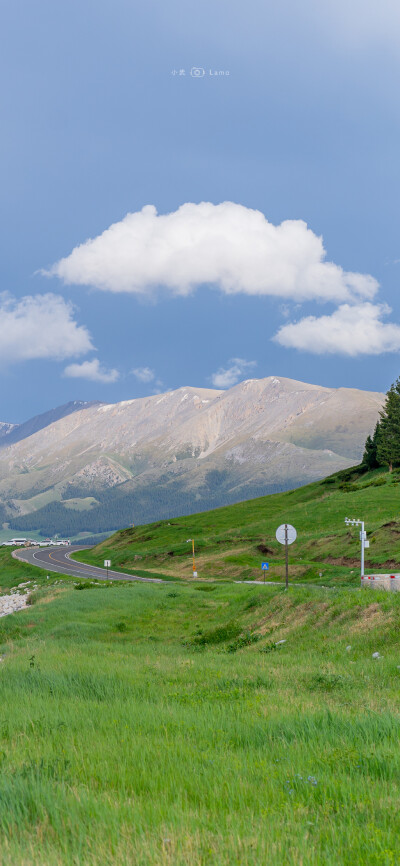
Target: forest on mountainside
<point>122,506</point>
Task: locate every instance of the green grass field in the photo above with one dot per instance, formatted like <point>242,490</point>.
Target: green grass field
<point>201,723</point>
<point>163,724</point>
<point>232,542</point>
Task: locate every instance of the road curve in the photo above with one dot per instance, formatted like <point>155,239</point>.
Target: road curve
<point>58,559</point>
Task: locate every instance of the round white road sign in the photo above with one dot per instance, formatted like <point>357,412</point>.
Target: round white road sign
<point>281,534</point>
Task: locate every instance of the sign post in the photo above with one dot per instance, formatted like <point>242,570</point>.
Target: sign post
<point>286,534</point>
<point>264,568</point>
<point>194,564</point>
<point>107,564</point>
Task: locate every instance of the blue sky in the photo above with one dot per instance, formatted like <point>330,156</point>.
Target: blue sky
<point>303,126</point>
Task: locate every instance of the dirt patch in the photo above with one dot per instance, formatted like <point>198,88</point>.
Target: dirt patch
<point>341,560</point>
<point>263,548</point>
<point>371,617</point>
<point>390,564</point>
<point>292,618</point>
<point>354,562</point>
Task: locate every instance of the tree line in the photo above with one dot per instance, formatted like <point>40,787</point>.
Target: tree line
<point>383,447</point>
<point>121,506</point>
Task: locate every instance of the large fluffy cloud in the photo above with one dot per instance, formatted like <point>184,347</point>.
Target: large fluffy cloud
<point>40,326</point>
<point>225,245</point>
<point>93,371</point>
<point>350,330</point>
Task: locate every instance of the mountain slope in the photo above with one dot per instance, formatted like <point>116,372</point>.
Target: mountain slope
<point>17,432</point>
<point>6,428</point>
<point>184,450</point>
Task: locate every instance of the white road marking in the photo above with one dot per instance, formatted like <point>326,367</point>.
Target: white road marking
<point>85,570</point>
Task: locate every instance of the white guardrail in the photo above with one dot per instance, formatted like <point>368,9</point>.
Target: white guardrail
<point>390,582</point>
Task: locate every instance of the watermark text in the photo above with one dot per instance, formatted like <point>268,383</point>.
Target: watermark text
<point>200,72</point>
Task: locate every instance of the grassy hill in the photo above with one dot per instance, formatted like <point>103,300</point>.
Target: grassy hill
<point>209,722</point>
<point>164,725</point>
<point>231,542</point>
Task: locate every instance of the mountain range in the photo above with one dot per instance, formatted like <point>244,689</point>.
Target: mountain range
<point>92,467</point>
<point>10,433</point>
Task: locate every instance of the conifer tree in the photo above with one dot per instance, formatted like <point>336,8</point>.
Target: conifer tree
<point>370,456</point>
<point>388,446</point>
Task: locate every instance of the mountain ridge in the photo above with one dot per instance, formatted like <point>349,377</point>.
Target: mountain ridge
<point>17,432</point>
<point>185,449</point>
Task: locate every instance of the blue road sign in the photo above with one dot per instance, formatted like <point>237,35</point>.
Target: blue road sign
<point>265,566</point>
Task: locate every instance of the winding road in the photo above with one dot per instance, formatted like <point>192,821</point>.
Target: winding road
<point>58,559</point>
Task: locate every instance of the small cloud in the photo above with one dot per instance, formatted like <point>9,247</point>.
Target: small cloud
<point>40,326</point>
<point>286,310</point>
<point>91,370</point>
<point>143,374</point>
<point>159,387</point>
<point>225,377</point>
<point>350,330</point>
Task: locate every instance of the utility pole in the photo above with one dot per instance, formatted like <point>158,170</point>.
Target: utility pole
<point>349,521</point>
<point>286,556</point>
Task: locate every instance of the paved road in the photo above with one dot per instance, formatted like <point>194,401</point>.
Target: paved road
<point>58,559</point>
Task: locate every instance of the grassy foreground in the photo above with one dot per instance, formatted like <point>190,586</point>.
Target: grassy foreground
<point>232,542</point>
<point>165,724</point>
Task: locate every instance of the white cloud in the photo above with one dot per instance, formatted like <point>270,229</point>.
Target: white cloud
<point>40,326</point>
<point>226,245</point>
<point>350,330</point>
<point>91,370</point>
<point>143,374</point>
<point>228,376</point>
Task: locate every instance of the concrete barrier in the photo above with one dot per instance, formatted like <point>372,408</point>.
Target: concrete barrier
<point>390,582</point>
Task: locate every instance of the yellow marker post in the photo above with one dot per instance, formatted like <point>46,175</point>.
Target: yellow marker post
<point>194,563</point>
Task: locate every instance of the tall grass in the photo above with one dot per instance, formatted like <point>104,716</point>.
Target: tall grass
<point>140,745</point>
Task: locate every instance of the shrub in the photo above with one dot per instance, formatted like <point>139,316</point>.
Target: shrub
<point>325,682</point>
<point>348,488</point>
<point>253,602</point>
<point>269,647</point>
<point>206,588</point>
<point>245,639</point>
<point>121,626</point>
<point>378,482</point>
<point>217,635</point>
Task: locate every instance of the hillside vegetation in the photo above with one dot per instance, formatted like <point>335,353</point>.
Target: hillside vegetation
<point>163,725</point>
<point>231,542</point>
